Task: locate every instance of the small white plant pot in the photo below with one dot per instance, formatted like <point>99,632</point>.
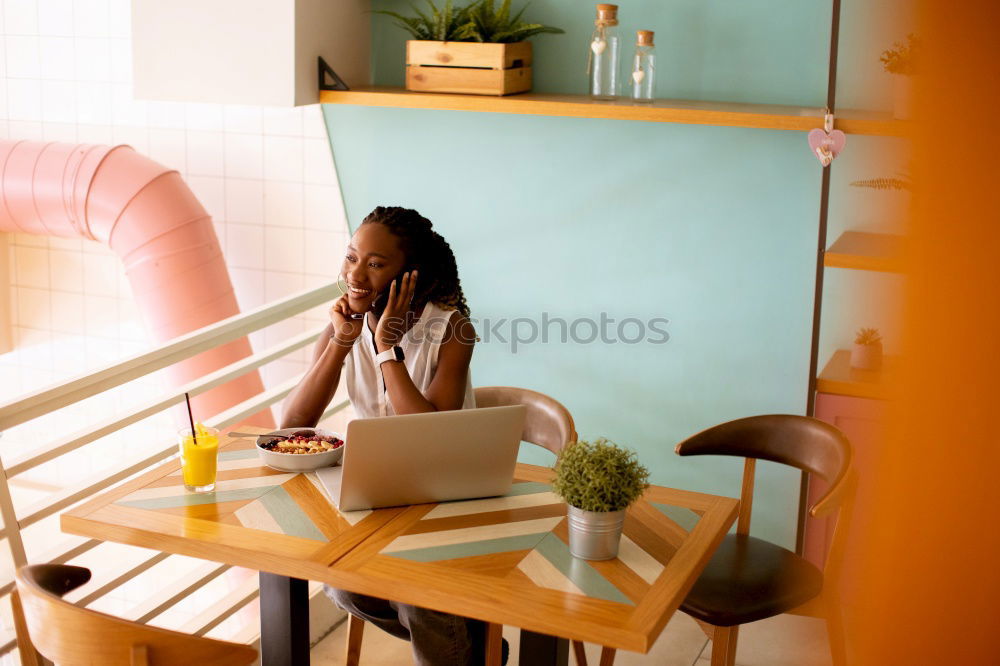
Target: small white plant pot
<point>867,357</point>
<point>595,535</point>
<point>902,97</point>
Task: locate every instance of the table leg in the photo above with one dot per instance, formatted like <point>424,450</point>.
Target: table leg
<point>543,650</point>
<point>284,621</point>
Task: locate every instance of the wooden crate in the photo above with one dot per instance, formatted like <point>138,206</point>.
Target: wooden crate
<point>468,67</point>
<point>468,54</point>
<point>467,80</point>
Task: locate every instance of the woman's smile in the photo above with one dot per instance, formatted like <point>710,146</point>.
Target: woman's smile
<point>356,291</point>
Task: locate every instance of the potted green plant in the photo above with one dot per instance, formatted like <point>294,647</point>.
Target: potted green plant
<point>477,49</point>
<point>901,60</point>
<point>598,480</point>
<point>867,352</point>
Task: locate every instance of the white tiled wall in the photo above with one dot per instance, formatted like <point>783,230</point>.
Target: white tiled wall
<point>265,174</point>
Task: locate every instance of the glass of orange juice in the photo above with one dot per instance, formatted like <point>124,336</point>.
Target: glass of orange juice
<point>198,458</point>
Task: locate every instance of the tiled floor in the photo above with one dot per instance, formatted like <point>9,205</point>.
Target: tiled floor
<point>785,640</point>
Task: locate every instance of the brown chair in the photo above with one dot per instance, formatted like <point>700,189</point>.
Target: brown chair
<point>49,627</point>
<point>548,424</point>
<point>750,579</point>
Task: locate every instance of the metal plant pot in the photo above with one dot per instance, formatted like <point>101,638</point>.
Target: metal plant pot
<point>595,535</point>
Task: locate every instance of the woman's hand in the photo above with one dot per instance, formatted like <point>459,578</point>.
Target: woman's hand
<point>392,323</point>
<point>346,328</point>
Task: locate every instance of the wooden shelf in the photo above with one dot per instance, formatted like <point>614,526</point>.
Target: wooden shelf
<point>660,111</point>
<point>871,123</point>
<point>839,378</point>
<point>866,251</point>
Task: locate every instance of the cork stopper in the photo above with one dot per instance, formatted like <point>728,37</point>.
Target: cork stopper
<point>644,37</point>
<point>608,14</point>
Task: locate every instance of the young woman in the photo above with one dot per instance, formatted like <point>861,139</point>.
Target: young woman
<point>402,335</point>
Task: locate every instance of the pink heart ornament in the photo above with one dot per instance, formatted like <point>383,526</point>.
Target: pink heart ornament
<point>826,145</point>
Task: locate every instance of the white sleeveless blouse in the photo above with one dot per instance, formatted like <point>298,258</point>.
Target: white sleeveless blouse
<point>420,346</point>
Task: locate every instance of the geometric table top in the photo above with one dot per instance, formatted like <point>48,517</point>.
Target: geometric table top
<point>257,517</point>
<point>502,559</point>
<point>506,560</point>
<point>266,500</point>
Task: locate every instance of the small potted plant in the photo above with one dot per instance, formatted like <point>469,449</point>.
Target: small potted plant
<point>479,49</point>
<point>867,352</point>
<point>598,480</point>
<point>901,60</point>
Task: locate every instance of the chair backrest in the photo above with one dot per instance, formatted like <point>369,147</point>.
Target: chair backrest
<point>70,635</point>
<point>800,441</point>
<point>548,423</point>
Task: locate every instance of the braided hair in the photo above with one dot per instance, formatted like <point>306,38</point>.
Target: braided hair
<point>427,252</point>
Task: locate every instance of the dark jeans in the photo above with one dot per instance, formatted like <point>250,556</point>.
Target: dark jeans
<point>437,639</point>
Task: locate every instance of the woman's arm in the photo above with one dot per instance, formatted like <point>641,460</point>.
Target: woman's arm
<point>447,387</point>
<point>305,404</point>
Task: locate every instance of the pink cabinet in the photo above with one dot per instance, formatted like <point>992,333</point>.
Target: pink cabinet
<point>862,420</point>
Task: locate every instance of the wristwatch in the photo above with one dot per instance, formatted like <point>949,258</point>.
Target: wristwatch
<point>394,353</point>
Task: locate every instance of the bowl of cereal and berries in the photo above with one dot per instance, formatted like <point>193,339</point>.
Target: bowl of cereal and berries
<point>300,449</point>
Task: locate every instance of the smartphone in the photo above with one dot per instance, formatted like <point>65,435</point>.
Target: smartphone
<point>378,305</point>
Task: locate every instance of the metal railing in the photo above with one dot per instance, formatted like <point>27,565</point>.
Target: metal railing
<point>47,400</point>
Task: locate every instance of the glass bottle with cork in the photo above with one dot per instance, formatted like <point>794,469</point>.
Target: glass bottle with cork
<point>644,67</point>
<point>604,54</point>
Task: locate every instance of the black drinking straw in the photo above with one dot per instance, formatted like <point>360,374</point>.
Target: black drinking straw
<point>194,435</point>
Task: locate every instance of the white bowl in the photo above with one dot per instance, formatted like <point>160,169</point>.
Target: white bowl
<point>300,462</point>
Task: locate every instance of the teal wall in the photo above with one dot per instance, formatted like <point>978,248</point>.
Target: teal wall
<point>711,228</point>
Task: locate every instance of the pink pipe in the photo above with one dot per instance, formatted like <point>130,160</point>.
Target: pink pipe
<point>150,218</point>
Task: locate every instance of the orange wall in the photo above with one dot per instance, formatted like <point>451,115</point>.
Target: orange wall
<point>931,582</point>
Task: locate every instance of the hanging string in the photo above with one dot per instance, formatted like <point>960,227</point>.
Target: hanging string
<point>598,40</point>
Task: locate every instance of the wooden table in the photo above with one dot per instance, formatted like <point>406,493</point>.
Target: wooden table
<point>504,560</point>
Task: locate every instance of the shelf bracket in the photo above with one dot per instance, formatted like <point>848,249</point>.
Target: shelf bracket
<point>324,71</point>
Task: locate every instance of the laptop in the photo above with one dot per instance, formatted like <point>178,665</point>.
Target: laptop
<point>432,457</point>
